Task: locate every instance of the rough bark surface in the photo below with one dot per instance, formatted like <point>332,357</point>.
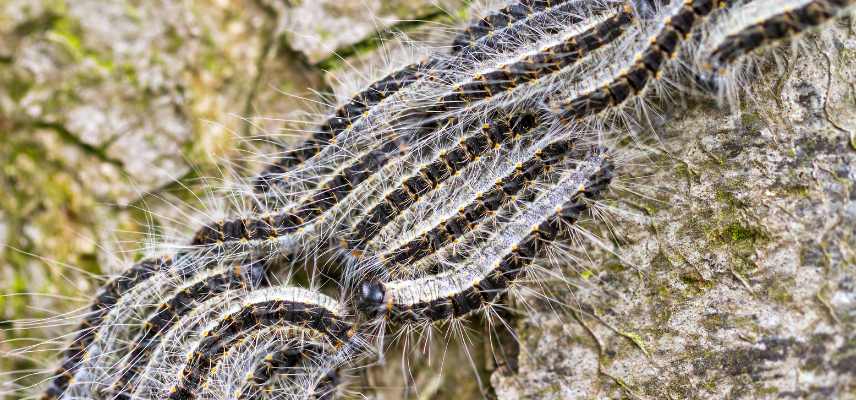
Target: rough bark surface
<point>737,280</point>
<point>733,265</point>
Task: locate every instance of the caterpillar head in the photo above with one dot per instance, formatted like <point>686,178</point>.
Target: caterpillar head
<point>372,299</point>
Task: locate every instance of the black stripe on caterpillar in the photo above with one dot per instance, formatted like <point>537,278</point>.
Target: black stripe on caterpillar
<point>298,307</point>
<point>468,288</point>
<point>647,67</point>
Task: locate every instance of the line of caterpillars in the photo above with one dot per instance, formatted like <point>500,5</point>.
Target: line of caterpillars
<point>172,310</point>
<point>477,89</point>
<point>533,67</point>
<point>239,230</point>
<point>493,27</point>
<point>334,190</point>
<point>375,296</point>
<point>647,66</point>
<point>250,317</point>
<point>435,69</point>
<point>471,215</point>
<point>379,299</point>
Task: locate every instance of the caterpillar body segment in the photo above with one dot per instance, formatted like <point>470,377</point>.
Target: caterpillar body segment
<point>283,307</point>
<point>514,25</point>
<point>457,189</point>
<point>458,292</point>
<point>493,134</point>
<point>514,82</point>
<point>289,221</point>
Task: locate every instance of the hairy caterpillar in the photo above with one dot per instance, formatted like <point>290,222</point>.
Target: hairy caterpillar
<point>167,359</point>
<point>648,65</point>
<point>289,359</point>
<point>723,59</point>
<point>466,289</point>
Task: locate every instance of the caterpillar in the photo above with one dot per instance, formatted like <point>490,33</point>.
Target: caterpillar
<point>286,222</point>
<point>459,292</point>
<point>648,65</point>
<point>176,343</point>
<point>723,57</point>
<point>277,362</point>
